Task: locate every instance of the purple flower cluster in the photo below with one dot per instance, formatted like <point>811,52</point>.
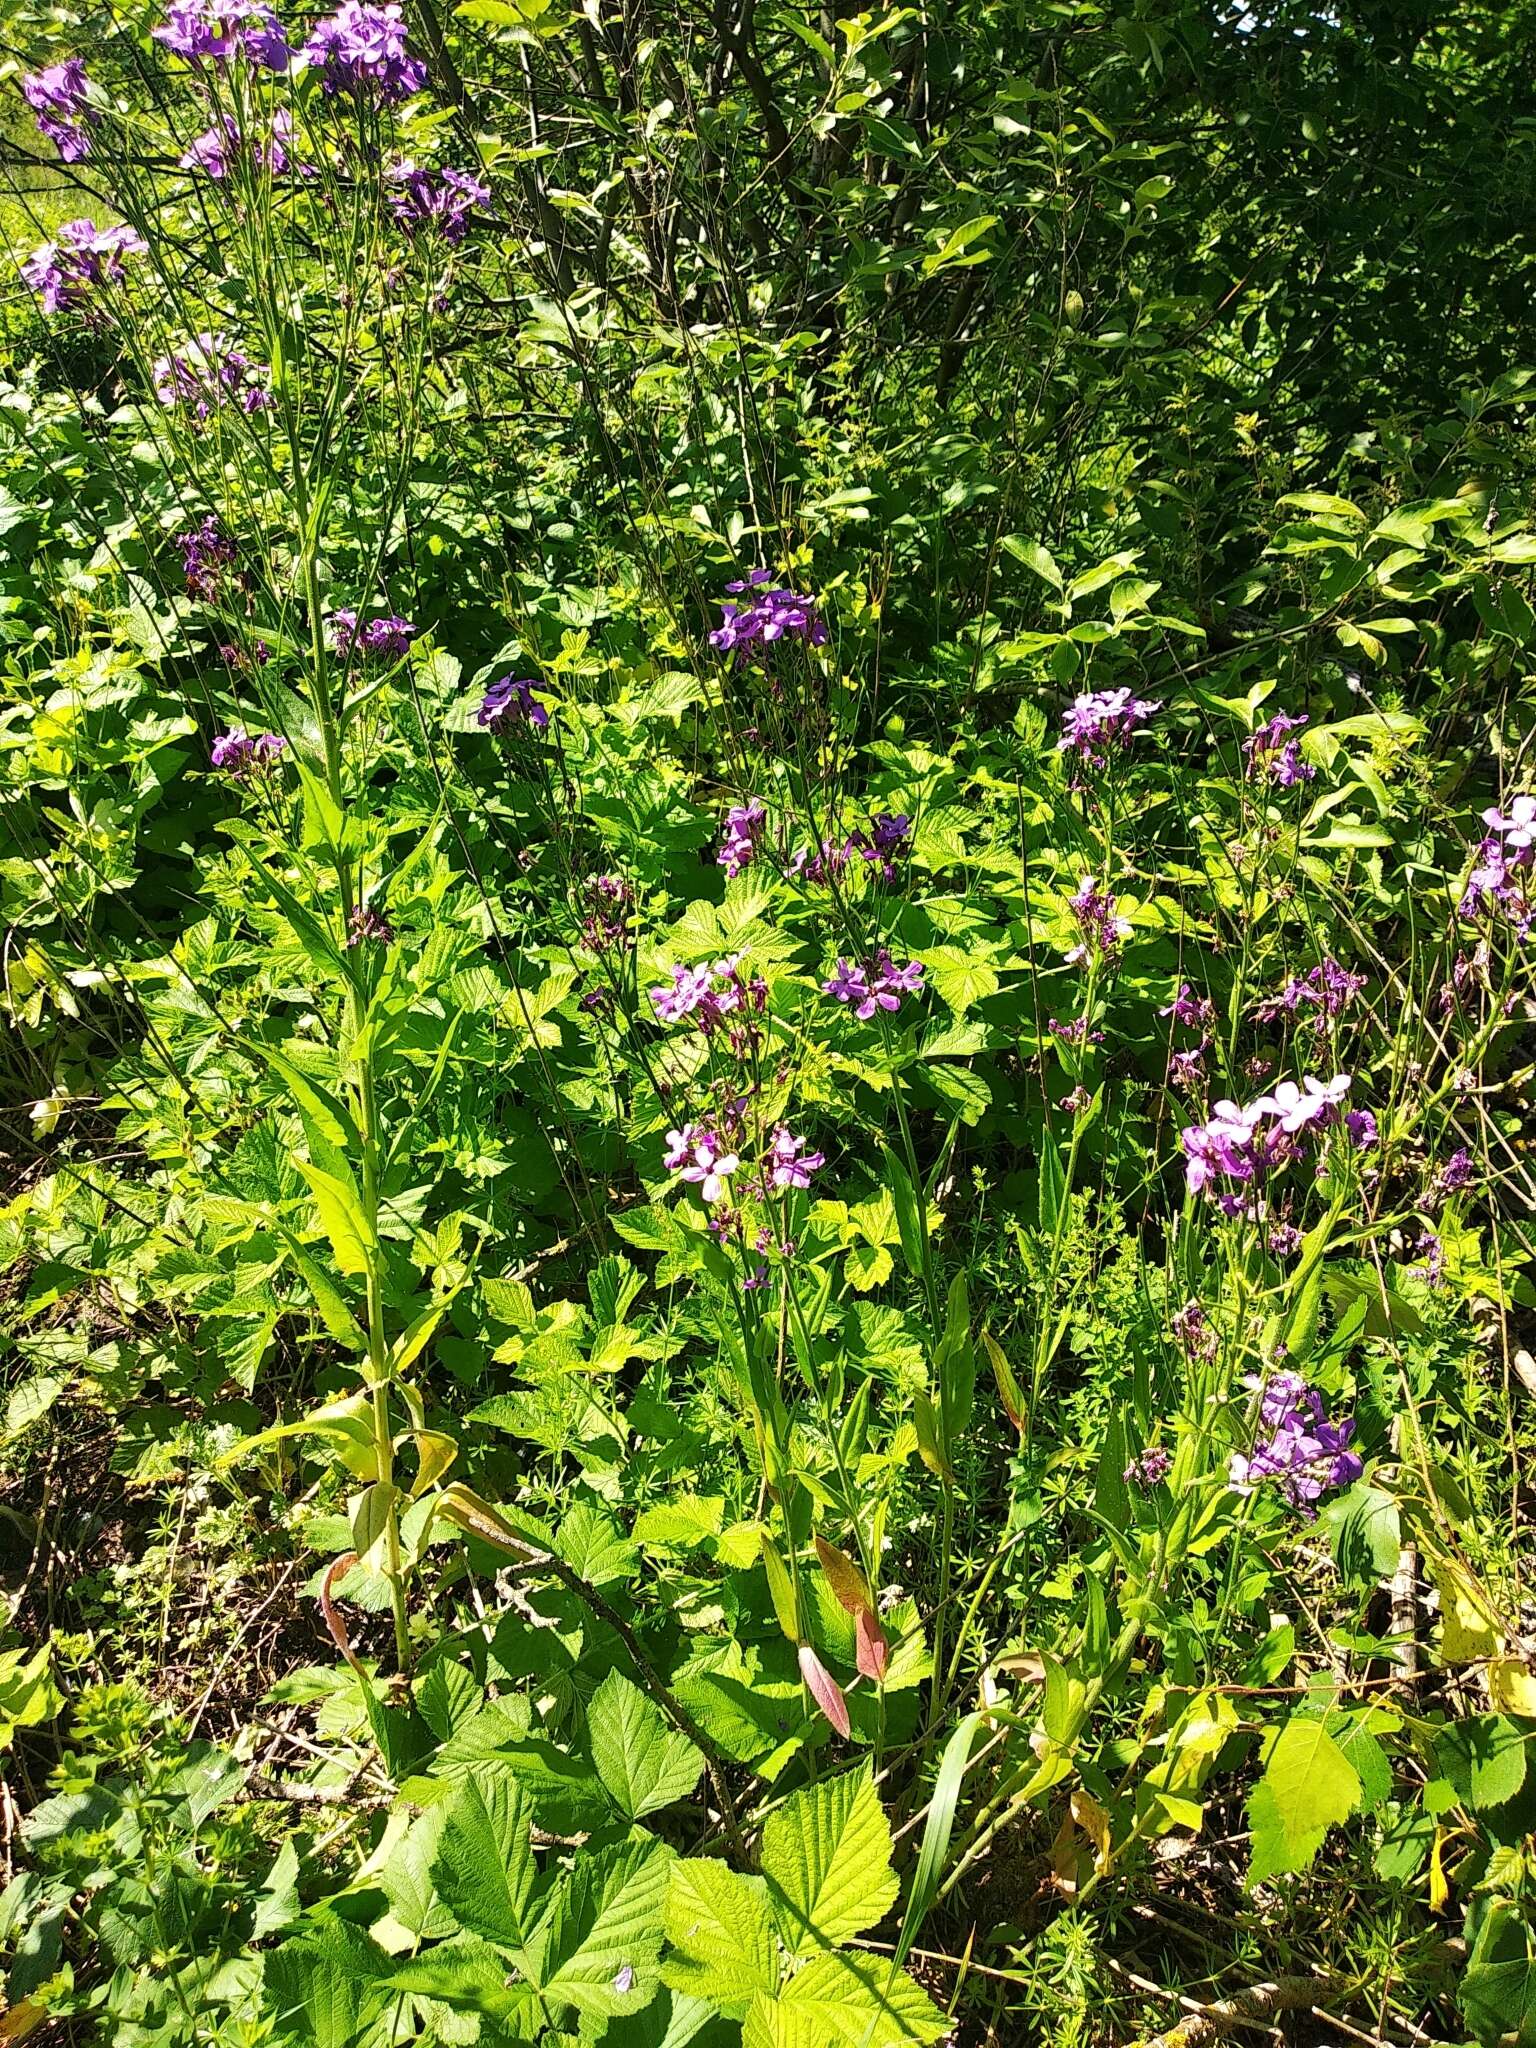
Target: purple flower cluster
<point>218,29</point>
<point>1243,1145</point>
<point>1103,933</point>
<point>207,552</point>
<point>444,199</point>
<point>743,829</point>
<point>56,94</point>
<point>1149,1468</point>
<point>879,845</point>
<point>511,703</point>
<point>1322,992</point>
<point>236,754</point>
<point>68,273</point>
<point>1192,1332</point>
<point>217,148</point>
<point>878,985</point>
<point>767,616</point>
<point>207,373</point>
<point>387,639</point>
<point>791,1162</point>
<point>1297,1445</point>
<point>363,47</point>
<point>606,925</point>
<point>1196,1012</point>
<point>704,1158</point>
<point>1270,752</point>
<point>1505,860</point>
<point>709,994</point>
<point>369,927</point>
<point>1100,719</point>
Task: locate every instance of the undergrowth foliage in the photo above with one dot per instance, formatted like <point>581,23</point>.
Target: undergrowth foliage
<point>769,887</point>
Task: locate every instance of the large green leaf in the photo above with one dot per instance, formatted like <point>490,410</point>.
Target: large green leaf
<point>602,1936</point>
<point>722,1939</point>
<point>644,1764</point>
<point>827,1858</point>
<point>857,2000</point>
<point>484,1867</point>
<point>1309,1785</point>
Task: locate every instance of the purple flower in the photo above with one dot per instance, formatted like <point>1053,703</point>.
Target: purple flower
<point>886,841</point>
<point>369,927</point>
<point>1456,1174</point>
<point>792,1163</point>
<point>206,373</point>
<point>743,828</point>
<point>56,94</point>
<point>1149,1469</point>
<point>1325,989</point>
<point>1270,752</point>
<point>1234,1145</point>
<point>510,703</point>
<point>1102,931</point>
<point>1303,1451</point>
<point>878,985</point>
<point>1361,1126</point>
<point>359,46</point>
<point>206,553</point>
<point>710,995</point>
<point>704,1160</point>
<point>387,639</point>
<point>767,616</point>
<point>1284,1240</point>
<point>67,274</point>
<point>1498,880</point>
<point>1188,1008</point>
<point>607,922</point>
<point>444,199</point>
<point>218,29</point>
<point>217,148</point>
<point>827,863</point>
<point>1192,1332</point>
<point>236,754</point>
<point>1101,719</point>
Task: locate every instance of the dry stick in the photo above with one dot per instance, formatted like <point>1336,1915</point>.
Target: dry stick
<point>1253,2008</point>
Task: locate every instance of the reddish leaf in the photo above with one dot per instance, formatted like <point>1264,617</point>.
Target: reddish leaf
<point>824,1689</point>
<point>870,1650</point>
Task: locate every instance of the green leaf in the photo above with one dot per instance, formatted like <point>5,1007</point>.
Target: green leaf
<point>327,1989</point>
<point>1309,1785</point>
<point>858,2000</point>
<point>722,1941</point>
<point>1484,1758</point>
<point>644,1764</point>
<point>602,1935</point>
<point>827,1858</point>
<point>1498,1989</point>
<point>484,1864</point>
<point>341,1218</point>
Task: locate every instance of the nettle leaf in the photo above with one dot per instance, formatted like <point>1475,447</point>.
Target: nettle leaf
<point>722,1939</point>
<point>827,1858</point>
<point>1309,1785</point>
<point>961,977</point>
<point>484,1866</point>
<point>602,1935</point>
<point>329,1988</point>
<point>643,1763</point>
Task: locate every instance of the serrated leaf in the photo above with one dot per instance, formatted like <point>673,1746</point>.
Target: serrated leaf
<point>827,1858</point>
<point>722,1940</point>
<point>484,1868</point>
<point>643,1763</point>
<point>856,2000</point>
<point>602,1935</point>
<point>1309,1786</point>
